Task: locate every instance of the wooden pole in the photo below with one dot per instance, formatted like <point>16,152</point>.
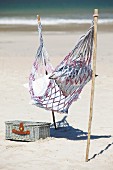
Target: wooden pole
<point>93,81</point>
<point>54,119</point>
<point>38,19</point>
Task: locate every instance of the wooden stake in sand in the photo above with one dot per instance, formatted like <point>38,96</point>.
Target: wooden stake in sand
<point>93,81</point>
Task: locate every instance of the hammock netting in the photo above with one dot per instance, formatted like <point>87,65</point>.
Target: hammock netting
<point>63,85</point>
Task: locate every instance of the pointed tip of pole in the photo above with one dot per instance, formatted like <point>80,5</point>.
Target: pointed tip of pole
<point>38,18</point>
<point>95,13</point>
<point>96,10</point>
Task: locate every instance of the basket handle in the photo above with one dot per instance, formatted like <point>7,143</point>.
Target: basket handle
<point>21,130</point>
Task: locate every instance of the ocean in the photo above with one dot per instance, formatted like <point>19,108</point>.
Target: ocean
<point>54,12</point>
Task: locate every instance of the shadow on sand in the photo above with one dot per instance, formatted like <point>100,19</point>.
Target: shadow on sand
<point>101,152</point>
<point>64,130</point>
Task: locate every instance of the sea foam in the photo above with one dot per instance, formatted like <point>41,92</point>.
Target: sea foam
<point>48,21</point>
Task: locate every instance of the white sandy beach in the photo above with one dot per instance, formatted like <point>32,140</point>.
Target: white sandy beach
<point>65,149</point>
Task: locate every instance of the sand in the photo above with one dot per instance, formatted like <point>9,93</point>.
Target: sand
<point>65,149</point>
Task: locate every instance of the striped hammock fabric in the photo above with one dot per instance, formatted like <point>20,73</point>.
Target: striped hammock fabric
<point>64,84</point>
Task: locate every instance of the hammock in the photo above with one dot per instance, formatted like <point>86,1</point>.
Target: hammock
<point>63,85</point>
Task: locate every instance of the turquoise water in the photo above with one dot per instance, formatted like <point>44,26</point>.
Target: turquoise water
<point>54,11</point>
